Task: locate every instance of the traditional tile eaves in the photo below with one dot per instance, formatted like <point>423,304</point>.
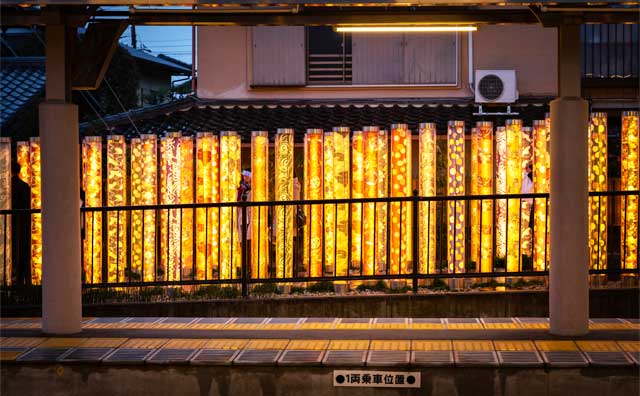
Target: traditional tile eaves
<point>21,81</point>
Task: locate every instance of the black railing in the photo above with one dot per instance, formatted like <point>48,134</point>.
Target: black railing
<point>214,243</point>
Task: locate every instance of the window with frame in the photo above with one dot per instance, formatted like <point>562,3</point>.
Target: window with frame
<point>381,59</point>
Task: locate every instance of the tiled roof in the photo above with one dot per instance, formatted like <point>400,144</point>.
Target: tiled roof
<point>174,65</point>
<point>192,115</point>
<point>21,81</point>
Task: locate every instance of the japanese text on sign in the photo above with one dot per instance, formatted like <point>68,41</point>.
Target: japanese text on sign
<point>390,379</point>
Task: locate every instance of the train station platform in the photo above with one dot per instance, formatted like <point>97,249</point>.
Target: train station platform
<point>303,355</point>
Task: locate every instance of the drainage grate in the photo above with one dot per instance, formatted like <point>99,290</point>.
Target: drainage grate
<point>344,358</point>
<point>355,320</point>
<point>608,359</point>
<point>222,357</point>
<point>497,320</point>
<point>44,355</point>
<point>427,320</point>
<point>388,358</point>
<point>248,320</point>
<point>128,355</point>
<point>564,359</point>
<point>319,320</point>
<point>258,356</point>
<point>171,355</point>
<point>432,358</point>
<point>476,358</point>
<point>390,320</point>
<point>299,357</point>
<point>520,359</point>
<point>212,320</point>
<point>178,320</point>
<point>142,320</point>
<point>462,320</point>
<point>283,320</point>
<point>86,355</point>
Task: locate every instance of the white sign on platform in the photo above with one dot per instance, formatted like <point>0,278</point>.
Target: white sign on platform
<point>383,379</point>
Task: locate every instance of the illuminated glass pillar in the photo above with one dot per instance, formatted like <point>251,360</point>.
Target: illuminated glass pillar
<point>5,204</point>
<point>484,184</point>
<point>336,186</point>
<point>230,174</point>
<point>370,190</point>
<point>143,222</point>
<point>455,186</point>
<point>474,206</point>
<point>630,182</point>
<point>92,186</point>
<point>427,186</point>
<point>400,187</point>
<point>526,155</point>
<point>186,197</point>
<point>23,150</point>
<point>36,203</point>
<point>116,194</point>
<point>260,214</point>
<point>541,175</point>
<point>501,189</point>
<point>170,195</point>
<point>284,219</point>
<point>514,186</point>
<point>313,190</point>
<point>207,191</point>
<point>382,209</point>
<point>357,182</point>
<point>598,182</point>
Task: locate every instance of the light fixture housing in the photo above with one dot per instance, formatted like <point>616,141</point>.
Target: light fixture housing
<point>404,29</point>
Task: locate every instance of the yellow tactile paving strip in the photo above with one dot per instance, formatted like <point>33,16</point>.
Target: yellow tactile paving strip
<point>353,326</point>
<point>514,345</point>
<point>186,343</point>
<point>629,346</point>
<point>472,345</point>
<point>502,326</point>
<point>244,326</point>
<point>62,342</point>
<point>267,344</point>
<point>206,326</point>
<point>390,326</point>
<point>21,342</point>
<point>225,344</point>
<point>427,326</point>
<point>611,326</point>
<point>103,342</point>
<point>279,326</point>
<point>390,345</point>
<point>9,356</point>
<point>556,346</point>
<point>349,345</point>
<point>598,346</point>
<point>144,343</point>
<point>464,326</point>
<point>308,345</point>
<point>316,326</point>
<point>431,345</point>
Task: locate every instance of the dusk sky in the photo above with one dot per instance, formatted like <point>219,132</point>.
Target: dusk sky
<point>174,41</point>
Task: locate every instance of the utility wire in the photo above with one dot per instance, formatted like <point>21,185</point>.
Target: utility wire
<point>121,105</point>
<point>83,94</point>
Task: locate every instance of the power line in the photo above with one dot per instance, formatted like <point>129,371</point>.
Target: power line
<point>82,93</point>
<point>121,105</point>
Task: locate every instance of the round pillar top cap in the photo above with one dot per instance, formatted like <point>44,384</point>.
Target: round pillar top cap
<point>427,125</point>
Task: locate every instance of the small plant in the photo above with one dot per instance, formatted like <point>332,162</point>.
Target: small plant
<point>470,266</point>
<point>492,284</point>
<point>402,290</point>
<point>321,287</point>
<point>520,283</point>
<point>379,286</point>
<point>500,262</point>
<point>297,290</point>
<point>265,288</point>
<point>229,292</point>
<point>438,285</point>
<point>527,263</point>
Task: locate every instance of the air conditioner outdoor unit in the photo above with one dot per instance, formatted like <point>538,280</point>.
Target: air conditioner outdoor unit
<point>496,86</point>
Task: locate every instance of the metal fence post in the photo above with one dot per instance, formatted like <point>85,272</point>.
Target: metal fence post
<point>243,251</point>
<point>415,240</point>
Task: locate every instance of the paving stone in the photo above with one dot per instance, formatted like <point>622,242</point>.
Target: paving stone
<point>476,359</point>
<point>215,357</point>
<point>432,358</point>
<point>171,356</point>
<point>42,355</point>
<point>301,357</point>
<point>129,355</point>
<point>520,359</point>
<point>86,355</point>
<point>258,357</point>
<point>344,358</point>
<point>388,358</point>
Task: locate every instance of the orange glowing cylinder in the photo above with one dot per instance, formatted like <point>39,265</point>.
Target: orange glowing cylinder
<point>370,190</point>
<point>501,189</point>
<point>170,195</point>
<point>259,214</point>
<point>116,194</point>
<point>382,209</point>
<point>36,203</point>
<point>484,184</point>
<point>514,186</point>
<point>541,181</point>
<point>336,186</point>
<point>526,156</point>
<point>186,197</point>
<point>400,249</point>
<point>630,172</point>
<point>230,174</point>
<point>313,190</point>
<point>143,222</point>
<point>357,182</point>
<point>207,191</point>
<point>474,206</point>
<point>92,186</point>
<point>427,186</point>
<point>598,182</point>
<point>23,156</point>
<point>284,192</point>
<point>5,204</point>
<point>455,186</point>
